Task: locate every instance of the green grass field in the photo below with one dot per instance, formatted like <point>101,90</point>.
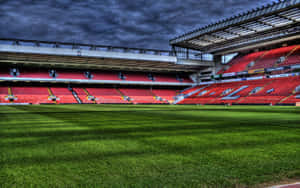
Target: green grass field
<point>148,146</point>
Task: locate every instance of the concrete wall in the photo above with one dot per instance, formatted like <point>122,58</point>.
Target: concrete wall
<point>218,64</point>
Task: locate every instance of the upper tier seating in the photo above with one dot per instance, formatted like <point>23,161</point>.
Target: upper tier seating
<point>105,76</point>
<point>94,75</point>
<point>34,74</point>
<point>186,79</point>
<point>33,95</point>
<point>289,55</point>
<point>240,63</point>
<point>70,75</point>
<point>271,57</point>
<point>63,95</point>
<point>106,95</point>
<point>136,77</point>
<point>4,72</point>
<point>165,78</point>
<point>293,58</point>
<point>140,96</point>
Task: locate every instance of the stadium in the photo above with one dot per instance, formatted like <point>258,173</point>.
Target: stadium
<point>220,109</point>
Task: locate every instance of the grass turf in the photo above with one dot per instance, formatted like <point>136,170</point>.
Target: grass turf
<point>147,146</point>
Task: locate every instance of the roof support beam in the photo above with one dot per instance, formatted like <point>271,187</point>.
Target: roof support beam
<point>247,28</point>
<point>285,17</point>
<point>218,36</point>
<point>265,23</point>
<point>206,40</point>
<point>231,33</point>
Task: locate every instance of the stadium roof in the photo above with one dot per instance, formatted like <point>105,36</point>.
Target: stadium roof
<point>59,54</point>
<point>277,21</point>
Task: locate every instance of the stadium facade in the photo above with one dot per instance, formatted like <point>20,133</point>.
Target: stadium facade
<point>251,58</point>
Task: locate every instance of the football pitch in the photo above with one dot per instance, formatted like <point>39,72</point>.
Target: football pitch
<point>148,145</point>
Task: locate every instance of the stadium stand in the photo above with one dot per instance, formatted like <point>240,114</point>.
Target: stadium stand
<point>105,76</point>
<point>107,96</point>
<point>70,75</point>
<point>270,58</point>
<point>265,71</point>
<point>167,95</point>
<point>284,56</point>
<point>165,78</point>
<point>94,75</point>
<point>31,95</point>
<point>186,79</point>
<point>240,63</point>
<point>34,75</point>
<point>292,58</point>
<point>140,96</point>
<point>266,91</point>
<point>136,77</point>
<point>4,72</point>
<point>3,94</point>
<point>84,96</point>
<point>63,95</point>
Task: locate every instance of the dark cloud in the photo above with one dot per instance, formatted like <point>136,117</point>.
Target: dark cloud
<point>134,23</point>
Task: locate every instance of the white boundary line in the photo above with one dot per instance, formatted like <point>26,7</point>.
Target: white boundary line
<point>287,185</point>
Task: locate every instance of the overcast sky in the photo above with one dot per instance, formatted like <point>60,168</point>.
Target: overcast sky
<point>133,23</point>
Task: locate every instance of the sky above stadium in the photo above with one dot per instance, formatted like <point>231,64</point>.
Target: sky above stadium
<point>133,23</point>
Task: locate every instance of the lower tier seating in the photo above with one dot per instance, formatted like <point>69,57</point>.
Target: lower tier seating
<point>142,96</point>
<point>266,91</point>
<point>30,95</point>
<point>3,94</point>
<point>165,94</point>
<point>107,96</point>
<point>84,96</point>
<point>63,95</point>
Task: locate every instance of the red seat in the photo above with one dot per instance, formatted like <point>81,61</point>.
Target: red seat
<point>141,96</point>
<point>240,63</point>
<point>3,94</point>
<point>63,95</point>
<point>166,94</point>
<point>32,95</point>
<point>272,91</point>
<point>105,76</point>
<point>70,75</point>
<point>271,57</point>
<point>106,95</point>
<point>83,95</point>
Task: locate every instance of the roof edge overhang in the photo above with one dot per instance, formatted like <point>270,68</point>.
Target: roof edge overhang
<point>236,21</point>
